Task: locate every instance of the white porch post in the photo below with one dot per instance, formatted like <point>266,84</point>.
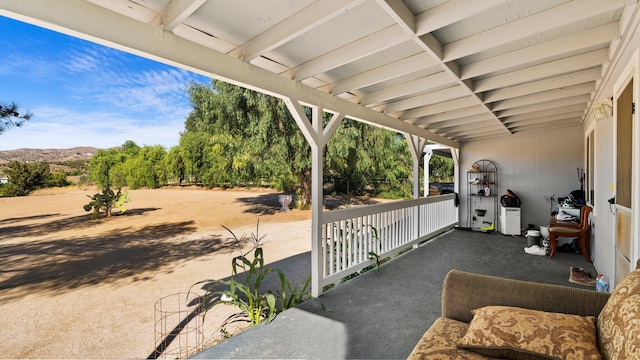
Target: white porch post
<point>416,144</point>
<point>317,174</point>
<point>317,138</point>
<point>428,151</point>
<point>455,155</point>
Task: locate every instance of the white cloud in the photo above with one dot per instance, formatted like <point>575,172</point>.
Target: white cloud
<point>161,92</point>
<point>60,128</point>
<point>88,95</point>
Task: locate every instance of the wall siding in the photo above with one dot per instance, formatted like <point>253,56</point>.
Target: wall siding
<point>532,164</point>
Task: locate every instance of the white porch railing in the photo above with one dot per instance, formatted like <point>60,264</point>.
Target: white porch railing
<point>348,235</point>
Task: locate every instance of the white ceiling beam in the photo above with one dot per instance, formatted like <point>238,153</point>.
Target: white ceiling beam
<point>130,8</point>
<point>188,55</point>
<point>306,19</point>
<point>201,38</point>
<point>401,14</point>
<point>553,68</point>
<point>547,126</point>
<point>536,98</point>
<point>484,127</point>
<point>451,12</point>
<point>383,73</point>
<point>430,45</point>
<point>420,100</point>
<point>483,134</point>
<point>461,121</point>
<point>569,115</point>
<point>368,45</point>
<point>450,115</point>
<point>547,112</point>
<point>546,105</point>
<point>543,85</point>
<point>458,129</point>
<point>591,39</point>
<point>552,18</point>
<point>411,87</point>
<point>176,12</point>
<point>440,107</point>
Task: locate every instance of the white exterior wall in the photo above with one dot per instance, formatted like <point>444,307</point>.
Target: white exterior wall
<point>532,164</point>
<point>603,219</point>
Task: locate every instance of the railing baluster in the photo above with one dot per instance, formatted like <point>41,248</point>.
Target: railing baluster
<point>348,234</point>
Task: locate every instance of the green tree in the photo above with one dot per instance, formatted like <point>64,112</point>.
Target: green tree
<point>25,178</point>
<point>119,172</point>
<point>106,168</point>
<point>368,159</point>
<point>10,116</point>
<point>58,179</point>
<point>440,169</point>
<point>175,164</point>
<point>146,169</point>
<point>219,163</point>
<point>194,145</point>
<point>130,148</point>
<point>253,137</point>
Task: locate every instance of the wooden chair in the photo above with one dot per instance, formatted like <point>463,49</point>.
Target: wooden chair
<point>582,231</point>
<point>556,222</point>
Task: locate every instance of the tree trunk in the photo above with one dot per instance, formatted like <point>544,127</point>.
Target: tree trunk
<point>304,196</point>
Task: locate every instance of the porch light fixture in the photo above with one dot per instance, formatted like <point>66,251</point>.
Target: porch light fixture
<point>604,110</point>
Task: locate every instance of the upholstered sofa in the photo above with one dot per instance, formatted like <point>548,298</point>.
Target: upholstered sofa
<point>486,317</point>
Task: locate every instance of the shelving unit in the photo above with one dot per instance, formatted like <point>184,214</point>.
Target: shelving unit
<point>482,178</point>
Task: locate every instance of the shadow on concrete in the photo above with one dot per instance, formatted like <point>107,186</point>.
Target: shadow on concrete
<point>296,268</point>
<point>383,314</point>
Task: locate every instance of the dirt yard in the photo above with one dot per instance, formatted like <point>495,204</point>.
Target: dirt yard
<point>75,288</point>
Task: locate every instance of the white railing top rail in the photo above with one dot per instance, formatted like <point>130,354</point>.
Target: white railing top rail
<point>342,214</point>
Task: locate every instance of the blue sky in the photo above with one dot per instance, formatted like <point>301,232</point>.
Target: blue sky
<point>84,94</point>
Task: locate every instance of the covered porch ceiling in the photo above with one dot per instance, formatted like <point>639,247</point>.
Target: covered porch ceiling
<point>447,71</point>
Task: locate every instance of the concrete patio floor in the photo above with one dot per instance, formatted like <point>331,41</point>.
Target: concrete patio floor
<point>382,315</point>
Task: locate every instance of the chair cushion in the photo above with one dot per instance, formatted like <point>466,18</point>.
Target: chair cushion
<point>517,333</point>
<point>619,320</point>
<point>564,230</point>
<point>439,342</point>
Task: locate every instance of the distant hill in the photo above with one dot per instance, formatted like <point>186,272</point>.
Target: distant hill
<point>47,155</point>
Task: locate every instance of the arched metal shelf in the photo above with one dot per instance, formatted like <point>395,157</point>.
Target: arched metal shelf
<point>482,183</point>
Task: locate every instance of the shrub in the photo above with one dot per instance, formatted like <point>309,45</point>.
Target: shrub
<point>106,201</point>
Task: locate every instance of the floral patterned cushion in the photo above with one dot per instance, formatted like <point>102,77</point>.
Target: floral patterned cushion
<point>439,342</point>
<point>517,333</point>
<point>619,320</point>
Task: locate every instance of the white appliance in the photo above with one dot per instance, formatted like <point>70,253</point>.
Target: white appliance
<point>510,220</point>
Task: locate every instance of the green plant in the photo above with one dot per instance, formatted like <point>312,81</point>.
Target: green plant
<point>225,334</point>
<point>25,178</point>
<point>373,255</point>
<point>246,295</point>
<point>289,297</point>
<point>106,201</point>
